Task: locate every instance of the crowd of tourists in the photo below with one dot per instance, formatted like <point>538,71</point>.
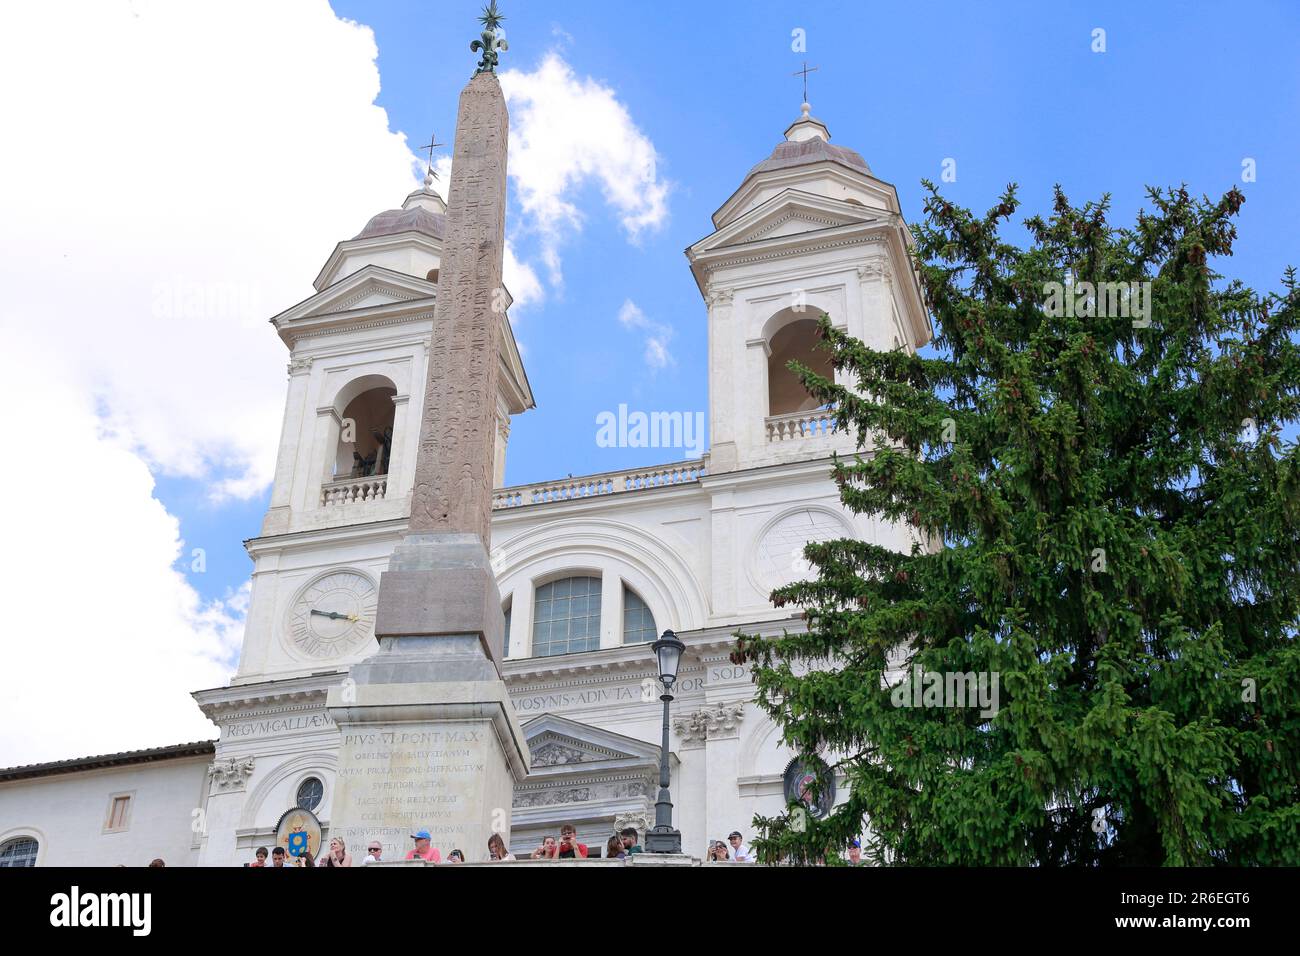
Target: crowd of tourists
<point>567,846</point>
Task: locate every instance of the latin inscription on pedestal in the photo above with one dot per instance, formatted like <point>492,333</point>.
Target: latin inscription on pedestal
<point>396,779</point>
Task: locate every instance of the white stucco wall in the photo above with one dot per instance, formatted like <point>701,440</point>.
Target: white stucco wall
<point>68,813</point>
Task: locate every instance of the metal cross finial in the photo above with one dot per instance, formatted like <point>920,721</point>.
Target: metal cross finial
<point>804,73</point>
<point>431,146</point>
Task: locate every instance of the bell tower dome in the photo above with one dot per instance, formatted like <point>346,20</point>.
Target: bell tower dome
<point>810,230</point>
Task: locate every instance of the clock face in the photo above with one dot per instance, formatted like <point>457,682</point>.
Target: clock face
<point>334,615</point>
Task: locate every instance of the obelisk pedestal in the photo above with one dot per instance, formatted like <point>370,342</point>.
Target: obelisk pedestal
<point>428,737</point>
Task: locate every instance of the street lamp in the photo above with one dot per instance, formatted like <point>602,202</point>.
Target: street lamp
<point>663,838</point>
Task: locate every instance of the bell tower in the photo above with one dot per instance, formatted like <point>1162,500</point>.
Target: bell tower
<point>358,358</point>
<point>810,230</point>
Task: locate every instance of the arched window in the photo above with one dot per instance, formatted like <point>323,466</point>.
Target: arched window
<point>366,435</point>
<point>505,644</point>
<point>796,341</point>
<point>638,622</point>
<point>566,617</point>
<point>19,852</point>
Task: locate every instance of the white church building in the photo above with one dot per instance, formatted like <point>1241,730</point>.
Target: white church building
<point>590,569</point>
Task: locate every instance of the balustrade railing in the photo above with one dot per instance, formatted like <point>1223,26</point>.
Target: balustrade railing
<point>796,426</point>
<point>592,486</point>
<point>348,490</point>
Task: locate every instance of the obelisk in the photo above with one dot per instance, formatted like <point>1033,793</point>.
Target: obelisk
<point>428,737</point>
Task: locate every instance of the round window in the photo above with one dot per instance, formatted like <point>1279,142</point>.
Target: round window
<point>310,792</point>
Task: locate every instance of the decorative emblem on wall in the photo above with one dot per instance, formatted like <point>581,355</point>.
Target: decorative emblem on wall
<point>230,774</point>
<point>334,615</point>
<point>298,830</point>
<point>802,776</point>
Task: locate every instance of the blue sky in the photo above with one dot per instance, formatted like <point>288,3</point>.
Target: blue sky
<point>1012,92</point>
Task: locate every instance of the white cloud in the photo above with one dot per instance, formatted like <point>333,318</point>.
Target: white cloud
<point>657,335</point>
<point>105,637</point>
<point>185,170</point>
<point>522,281</point>
<point>567,131</point>
<point>177,173</point>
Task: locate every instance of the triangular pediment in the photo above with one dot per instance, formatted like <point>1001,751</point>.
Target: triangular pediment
<point>368,288</point>
<point>790,213</point>
<point>555,741</point>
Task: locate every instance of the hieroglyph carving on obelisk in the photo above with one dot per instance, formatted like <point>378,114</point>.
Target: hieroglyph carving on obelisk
<point>453,469</point>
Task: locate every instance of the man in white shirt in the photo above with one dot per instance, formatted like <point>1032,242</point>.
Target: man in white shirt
<point>740,851</point>
<point>374,851</point>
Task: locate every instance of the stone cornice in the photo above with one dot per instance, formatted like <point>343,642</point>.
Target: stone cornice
<point>415,310</point>
<point>592,667</point>
<point>290,695</point>
<point>531,675</point>
<point>590,776</point>
<point>782,247</point>
<point>316,536</point>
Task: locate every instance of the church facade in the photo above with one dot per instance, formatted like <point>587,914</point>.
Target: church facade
<point>590,569</point>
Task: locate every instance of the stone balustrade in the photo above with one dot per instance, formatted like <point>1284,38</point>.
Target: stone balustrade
<point>797,426</point>
<point>349,490</point>
<point>593,486</point>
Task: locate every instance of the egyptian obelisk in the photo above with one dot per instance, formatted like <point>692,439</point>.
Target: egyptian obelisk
<point>428,737</point>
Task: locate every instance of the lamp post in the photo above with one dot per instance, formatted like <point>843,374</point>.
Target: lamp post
<point>663,838</point>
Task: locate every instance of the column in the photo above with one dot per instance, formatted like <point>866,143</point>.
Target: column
<point>611,610</point>
<point>227,787</point>
<point>722,375</point>
<point>398,486</point>
<point>325,448</point>
<point>293,429</point>
<point>754,412</point>
<point>722,560</point>
<point>502,439</point>
<point>521,620</point>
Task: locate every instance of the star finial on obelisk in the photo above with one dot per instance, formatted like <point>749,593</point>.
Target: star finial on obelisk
<point>493,40</point>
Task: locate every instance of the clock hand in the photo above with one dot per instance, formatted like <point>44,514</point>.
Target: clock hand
<point>334,615</point>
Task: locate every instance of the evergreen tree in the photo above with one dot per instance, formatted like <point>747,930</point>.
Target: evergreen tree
<point>1106,507</point>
